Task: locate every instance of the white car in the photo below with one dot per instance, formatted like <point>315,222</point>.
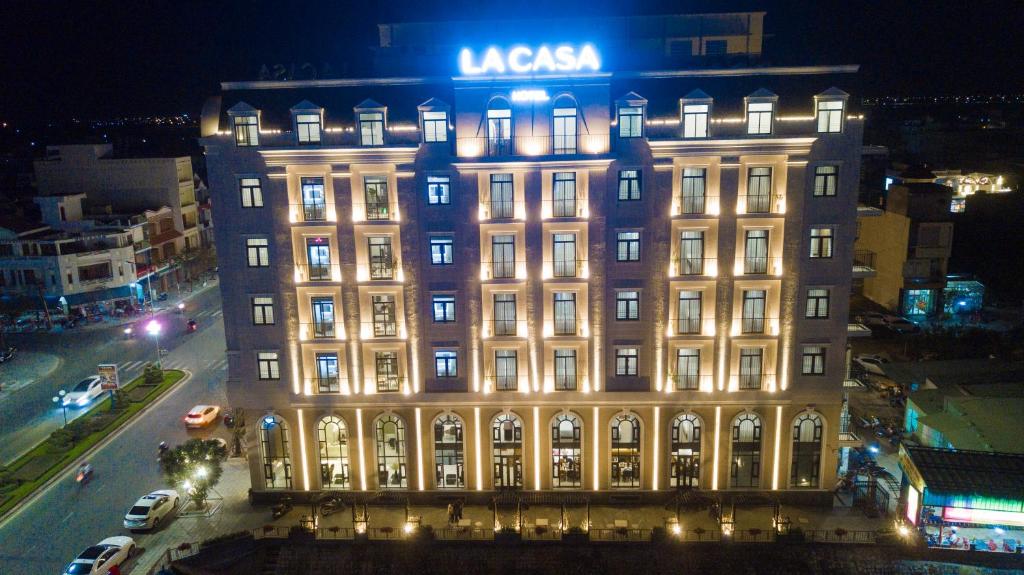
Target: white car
<point>202,415</point>
<point>151,509</point>
<point>871,363</point>
<point>101,557</point>
<point>84,392</point>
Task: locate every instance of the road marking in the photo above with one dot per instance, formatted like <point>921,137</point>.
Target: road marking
<point>218,313</point>
<point>66,517</point>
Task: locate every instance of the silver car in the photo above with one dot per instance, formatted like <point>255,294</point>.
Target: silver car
<point>151,509</point>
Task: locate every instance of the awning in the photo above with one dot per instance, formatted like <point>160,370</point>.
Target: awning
<point>99,295</point>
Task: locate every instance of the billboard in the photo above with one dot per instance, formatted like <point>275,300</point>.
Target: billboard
<point>108,371</point>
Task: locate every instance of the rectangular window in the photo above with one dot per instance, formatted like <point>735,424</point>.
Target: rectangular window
<point>821,242</point>
<point>759,190</point>
<point>565,369</point>
<point>753,310</point>
<point>386,370</point>
<point>813,360</point>
<point>564,130</point>
<point>385,316</point>
<point>262,310</point>
<point>627,305</point>
<point>247,131</point>
<point>446,364</point>
<point>565,264</point>
<point>501,196</point>
<point>825,180</point>
<point>626,361</point>
<point>506,366</point>
<point>251,192</point>
<point>318,258</point>
<point>759,117</point>
<point>751,365</point>
<point>691,252</point>
<point>689,316</point>
<point>627,247</point>
<point>268,365</point>
<point>503,257</point>
<point>441,251</point>
<point>382,262</point>
<point>307,126</point>
<point>444,308</point>
<point>695,120</point>
<point>687,374</point>
<point>257,252</point>
<point>439,190</point>
<point>504,314</point>
<point>565,313</point>
<point>499,132</point>
<point>327,373</point>
<point>631,122</point>
<point>375,192</point>
<point>629,185</point>
<point>323,316</point>
<point>694,184</point>
<point>435,127</point>
<point>830,116</point>
<point>371,128</point>
<point>314,200</point>
<point>817,303</point>
<point>755,259</point>
<point>563,195</point>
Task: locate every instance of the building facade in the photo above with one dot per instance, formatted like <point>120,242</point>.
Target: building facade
<point>581,280</point>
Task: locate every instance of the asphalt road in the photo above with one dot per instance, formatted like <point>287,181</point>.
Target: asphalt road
<point>67,518</point>
<point>29,415</point>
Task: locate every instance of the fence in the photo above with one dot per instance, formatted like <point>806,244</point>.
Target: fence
<point>839,536</point>
<point>620,534</point>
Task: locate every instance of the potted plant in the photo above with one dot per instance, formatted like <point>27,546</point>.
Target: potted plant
<point>507,534</point>
<point>576,535</point>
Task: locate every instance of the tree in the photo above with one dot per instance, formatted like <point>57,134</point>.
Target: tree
<point>194,466</point>
<point>152,375</point>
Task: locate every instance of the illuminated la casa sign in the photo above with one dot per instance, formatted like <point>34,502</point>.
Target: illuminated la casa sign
<point>527,60</point>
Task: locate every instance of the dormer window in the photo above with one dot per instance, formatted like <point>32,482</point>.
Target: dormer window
<point>631,122</point>
<point>695,120</point>
<point>759,117</point>
<point>830,116</point>
<point>307,127</point>
<point>371,129</point>
<point>247,130</point>
<point>435,126</point>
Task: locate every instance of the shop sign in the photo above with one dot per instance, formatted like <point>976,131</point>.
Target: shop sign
<point>542,59</point>
<point>108,371</point>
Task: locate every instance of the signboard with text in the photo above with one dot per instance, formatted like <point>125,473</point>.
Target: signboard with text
<point>108,371</point>
<point>543,59</point>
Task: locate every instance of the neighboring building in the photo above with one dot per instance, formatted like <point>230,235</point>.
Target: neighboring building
<point>908,246</point>
<point>600,281</point>
<point>965,185</point>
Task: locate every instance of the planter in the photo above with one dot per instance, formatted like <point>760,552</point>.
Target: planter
<point>576,537</point>
<point>509,537</point>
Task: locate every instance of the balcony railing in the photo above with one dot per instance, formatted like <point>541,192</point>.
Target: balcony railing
<point>380,328</point>
<point>582,144</point>
<point>327,384</point>
<point>376,211</point>
<point>387,383</point>
<point>500,269</point>
<point>564,381</point>
<point>499,210</point>
<point>694,266</point>
<point>688,325</point>
<point>317,273</point>
<point>754,381</point>
<point>318,330</point>
<point>757,324</point>
<point>309,212</point>
<point>567,326</point>
<point>690,382</point>
<point>382,270</point>
<point>566,268</point>
<point>864,258</point>
<point>696,204</point>
<point>565,208</point>
<point>762,265</point>
<point>507,382</point>
<point>758,203</point>
<point>505,328</point>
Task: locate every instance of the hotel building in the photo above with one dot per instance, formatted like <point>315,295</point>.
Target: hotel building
<point>585,279</point>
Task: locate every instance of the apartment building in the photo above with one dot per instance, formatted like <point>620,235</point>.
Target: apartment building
<point>537,273</point>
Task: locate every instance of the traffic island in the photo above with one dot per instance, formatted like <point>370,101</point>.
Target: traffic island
<point>66,445</point>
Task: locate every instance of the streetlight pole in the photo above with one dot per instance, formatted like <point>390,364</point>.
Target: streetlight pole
<point>59,400</point>
<point>153,328</point>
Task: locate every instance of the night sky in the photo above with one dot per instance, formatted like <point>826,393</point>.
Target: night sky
<point>102,59</point>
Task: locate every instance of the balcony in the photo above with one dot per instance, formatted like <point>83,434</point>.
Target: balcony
<point>565,208</point>
<point>694,267</point>
<point>758,325</point>
<point>868,211</point>
<point>696,205</point>
<point>566,268</point>
<point>381,329</point>
<point>504,328</point>
<point>311,213</point>
<point>567,326</point>
<point>317,273</point>
<point>754,381</point>
<point>483,146</point>
<point>375,212</point>
<point>502,210</point>
<point>389,383</point>
<point>328,385</point>
<point>503,269</point>
<point>318,330</point>
<point>864,264</point>
<point>759,204</point>
<point>857,330</point>
<point>564,380</point>
<point>382,269</point>
<point>689,326</point>
<point>506,382</point>
<point>759,265</point>
<point>689,382</point>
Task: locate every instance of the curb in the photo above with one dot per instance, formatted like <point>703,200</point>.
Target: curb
<point>59,475</point>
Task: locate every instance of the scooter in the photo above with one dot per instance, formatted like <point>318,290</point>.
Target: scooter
<point>331,506</point>
<point>280,509</point>
<point>161,450</point>
<point>84,475</point>
<point>128,332</point>
<point>191,326</point>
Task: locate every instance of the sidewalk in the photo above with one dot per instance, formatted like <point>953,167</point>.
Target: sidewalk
<point>26,368</point>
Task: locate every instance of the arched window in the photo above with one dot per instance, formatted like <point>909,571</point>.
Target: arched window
<point>684,461</point>
<point>625,451</point>
<point>499,127</point>
<point>448,453</point>
<point>507,449</point>
<point>332,437</point>
<point>746,450</point>
<point>277,466</point>
<point>391,472</point>
<point>566,451</point>
<point>806,467</point>
<point>564,130</point>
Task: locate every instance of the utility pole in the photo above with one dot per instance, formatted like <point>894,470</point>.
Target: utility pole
<point>46,310</point>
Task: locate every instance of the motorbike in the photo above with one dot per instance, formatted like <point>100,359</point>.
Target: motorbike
<point>331,506</point>
<point>7,354</point>
<point>84,474</point>
<point>161,450</point>
<point>128,332</point>
<point>280,509</point>
<point>191,326</point>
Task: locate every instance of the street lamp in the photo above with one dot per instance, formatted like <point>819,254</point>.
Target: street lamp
<point>153,329</point>
<point>59,400</point>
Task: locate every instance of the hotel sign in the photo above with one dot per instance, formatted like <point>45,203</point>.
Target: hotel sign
<point>542,59</point>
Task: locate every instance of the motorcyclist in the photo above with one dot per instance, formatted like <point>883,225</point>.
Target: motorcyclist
<point>162,447</point>
<point>84,473</point>
<point>191,325</point>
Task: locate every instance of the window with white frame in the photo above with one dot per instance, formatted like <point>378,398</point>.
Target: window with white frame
<point>564,130</point>
<point>444,308</point>
<point>371,128</point>
<point>257,252</point>
<point>308,128</point>
<point>262,310</point>
<point>446,363</point>
<point>813,360</point>
<point>825,180</point>
<point>251,192</point>
<point>627,246</point>
<point>439,190</point>
<point>821,243</point>
<point>759,117</point>
<point>629,185</point>
<point>631,122</point>
<point>695,120</point>
<point>817,303</point>
<point>441,251</point>
<point>435,126</point>
<point>247,130</point>
<point>268,365</point>
<point>627,360</point>
<point>830,116</point>
<point>694,186</point>
<point>627,305</point>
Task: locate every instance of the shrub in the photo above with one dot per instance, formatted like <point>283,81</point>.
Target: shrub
<point>152,375</point>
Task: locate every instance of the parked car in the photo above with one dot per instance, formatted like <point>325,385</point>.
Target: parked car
<point>202,415</point>
<point>871,363</point>
<point>151,509</point>
<point>901,325</point>
<point>84,391</point>
<point>101,557</point>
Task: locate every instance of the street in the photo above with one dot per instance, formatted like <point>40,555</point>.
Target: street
<point>65,518</point>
